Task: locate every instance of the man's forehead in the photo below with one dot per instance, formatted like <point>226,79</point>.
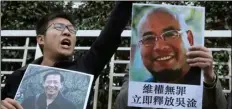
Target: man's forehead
<point>159,20</point>
<point>60,20</point>
<point>161,11</point>
<point>160,15</point>
<point>53,76</point>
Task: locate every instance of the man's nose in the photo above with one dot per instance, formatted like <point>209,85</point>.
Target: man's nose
<point>51,84</point>
<point>66,32</point>
<point>159,45</point>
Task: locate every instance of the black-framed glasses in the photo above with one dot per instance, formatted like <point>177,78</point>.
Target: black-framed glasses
<point>61,27</point>
<point>150,40</point>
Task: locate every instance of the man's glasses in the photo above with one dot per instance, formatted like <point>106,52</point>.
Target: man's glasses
<point>61,27</point>
<point>150,40</point>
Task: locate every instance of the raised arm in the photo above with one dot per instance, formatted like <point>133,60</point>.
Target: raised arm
<point>110,37</point>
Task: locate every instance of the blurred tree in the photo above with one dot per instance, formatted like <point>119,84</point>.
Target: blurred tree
<point>20,15</point>
<point>24,14</point>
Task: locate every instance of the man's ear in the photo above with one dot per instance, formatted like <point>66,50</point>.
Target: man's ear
<point>40,39</point>
<point>190,37</point>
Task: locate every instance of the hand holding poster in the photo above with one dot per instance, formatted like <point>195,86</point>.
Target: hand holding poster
<point>159,72</point>
<point>45,87</point>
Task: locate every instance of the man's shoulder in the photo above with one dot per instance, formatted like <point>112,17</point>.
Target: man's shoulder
<point>66,102</point>
<point>17,75</point>
<point>19,72</point>
<point>69,104</point>
<point>31,98</point>
<point>151,79</point>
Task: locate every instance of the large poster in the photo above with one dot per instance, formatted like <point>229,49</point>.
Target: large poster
<point>159,74</point>
<point>45,87</point>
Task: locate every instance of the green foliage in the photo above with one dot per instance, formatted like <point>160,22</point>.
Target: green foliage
<point>93,15</point>
<point>218,15</point>
<point>24,14</point>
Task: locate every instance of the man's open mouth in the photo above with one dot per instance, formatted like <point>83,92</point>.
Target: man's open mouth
<point>164,58</point>
<point>66,42</point>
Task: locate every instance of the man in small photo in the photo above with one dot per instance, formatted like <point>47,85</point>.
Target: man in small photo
<point>52,98</point>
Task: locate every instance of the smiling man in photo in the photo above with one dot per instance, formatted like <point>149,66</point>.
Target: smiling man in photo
<point>163,49</point>
<point>52,98</point>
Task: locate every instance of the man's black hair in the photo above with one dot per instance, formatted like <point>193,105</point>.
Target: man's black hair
<point>53,73</point>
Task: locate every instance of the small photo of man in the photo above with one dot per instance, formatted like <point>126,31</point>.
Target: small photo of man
<point>45,87</point>
<point>51,98</point>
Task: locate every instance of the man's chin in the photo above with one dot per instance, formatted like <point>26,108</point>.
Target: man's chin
<point>167,75</point>
<point>65,54</point>
<point>51,93</point>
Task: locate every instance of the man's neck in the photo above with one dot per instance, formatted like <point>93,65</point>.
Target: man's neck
<point>49,101</point>
<point>48,61</point>
<point>51,98</point>
<point>185,70</point>
<point>51,60</point>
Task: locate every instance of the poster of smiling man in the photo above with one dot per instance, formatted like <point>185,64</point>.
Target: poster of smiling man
<point>159,72</point>
<point>45,87</point>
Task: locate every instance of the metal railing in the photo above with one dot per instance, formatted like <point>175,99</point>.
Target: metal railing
<point>28,34</point>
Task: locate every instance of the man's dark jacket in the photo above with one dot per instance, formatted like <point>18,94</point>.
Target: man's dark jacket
<point>94,61</point>
<point>193,77</point>
<point>39,102</point>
